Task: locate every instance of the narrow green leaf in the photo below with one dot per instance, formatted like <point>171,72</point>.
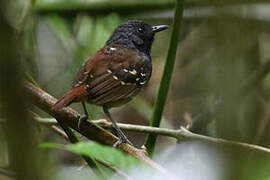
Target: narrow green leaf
<point>51,145</point>
<point>105,153</point>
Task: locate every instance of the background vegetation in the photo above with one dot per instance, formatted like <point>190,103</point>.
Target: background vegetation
<point>219,88</point>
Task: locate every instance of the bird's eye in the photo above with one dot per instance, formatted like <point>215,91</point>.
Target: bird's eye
<point>141,30</point>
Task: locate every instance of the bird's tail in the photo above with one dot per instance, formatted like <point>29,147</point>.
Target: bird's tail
<point>74,95</point>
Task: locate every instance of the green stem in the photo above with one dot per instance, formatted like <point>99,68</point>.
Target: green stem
<point>167,74</point>
<point>90,161</point>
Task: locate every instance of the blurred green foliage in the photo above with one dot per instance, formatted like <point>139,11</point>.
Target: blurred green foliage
<point>94,150</point>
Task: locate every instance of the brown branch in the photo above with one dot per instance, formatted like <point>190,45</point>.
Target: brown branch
<point>93,132</point>
<point>60,132</point>
<point>68,116</point>
<point>8,173</point>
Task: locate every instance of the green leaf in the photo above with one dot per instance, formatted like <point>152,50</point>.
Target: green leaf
<point>91,149</point>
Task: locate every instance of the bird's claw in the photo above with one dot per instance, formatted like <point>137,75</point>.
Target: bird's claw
<point>82,119</point>
<point>122,140</point>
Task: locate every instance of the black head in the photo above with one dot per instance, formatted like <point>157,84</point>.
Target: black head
<point>135,34</point>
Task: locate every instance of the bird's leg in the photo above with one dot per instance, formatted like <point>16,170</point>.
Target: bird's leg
<point>121,135</point>
<point>84,117</point>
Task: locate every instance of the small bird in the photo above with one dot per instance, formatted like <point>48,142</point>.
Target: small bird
<point>116,73</point>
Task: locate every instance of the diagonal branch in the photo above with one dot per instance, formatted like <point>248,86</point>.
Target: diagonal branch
<point>70,117</point>
<point>8,173</point>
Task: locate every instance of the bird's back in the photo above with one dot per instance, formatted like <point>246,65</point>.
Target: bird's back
<point>115,73</point>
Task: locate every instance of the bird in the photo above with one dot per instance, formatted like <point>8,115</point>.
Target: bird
<point>116,73</point>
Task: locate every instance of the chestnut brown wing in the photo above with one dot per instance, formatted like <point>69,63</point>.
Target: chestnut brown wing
<point>113,74</point>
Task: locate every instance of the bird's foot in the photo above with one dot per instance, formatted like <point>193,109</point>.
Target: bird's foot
<point>82,119</point>
<point>122,140</point>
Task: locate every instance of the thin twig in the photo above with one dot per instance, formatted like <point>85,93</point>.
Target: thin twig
<point>183,134</point>
<point>178,134</point>
<point>114,169</point>
<point>60,132</point>
<point>46,121</point>
<point>138,128</point>
<point>7,173</point>
<point>262,127</point>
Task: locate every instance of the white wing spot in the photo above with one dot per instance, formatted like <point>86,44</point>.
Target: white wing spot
<point>112,48</point>
<point>91,76</point>
<point>86,87</point>
<point>109,71</point>
<point>133,72</point>
<point>137,79</point>
<point>115,77</point>
<point>143,74</point>
<point>122,82</point>
<point>142,83</point>
<point>125,70</point>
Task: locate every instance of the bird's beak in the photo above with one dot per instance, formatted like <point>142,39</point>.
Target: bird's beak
<point>159,28</point>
